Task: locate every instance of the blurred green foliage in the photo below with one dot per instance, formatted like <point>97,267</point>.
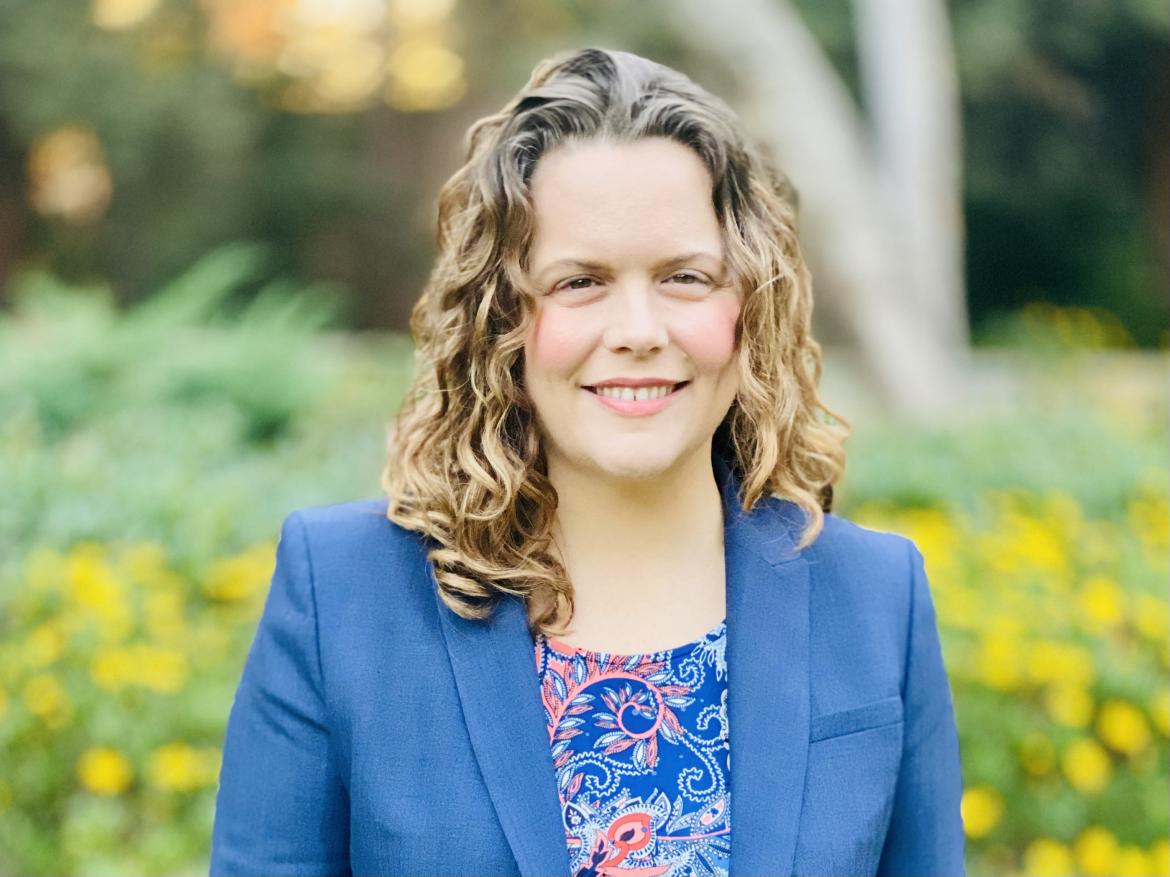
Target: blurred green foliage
<point>1066,178</point>
<point>148,458</point>
<point>148,454</point>
<point>204,415</point>
<point>73,356</point>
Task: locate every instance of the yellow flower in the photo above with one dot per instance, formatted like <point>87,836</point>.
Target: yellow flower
<point>1160,856</point>
<point>1063,513</point>
<point>45,644</point>
<point>144,562</point>
<point>1096,852</point>
<point>159,669</point>
<point>163,670</point>
<point>958,606</point>
<point>1135,862</point>
<point>241,577</point>
<point>1044,661</point>
<point>1053,661</point>
<point>1036,548</point>
<point>1086,765</point>
<point>1151,616</point>
<point>104,771</point>
<point>1160,712</point>
<point>1102,602</point>
<point>181,767</point>
<point>3,703</point>
<point>1069,704</point>
<point>1123,727</point>
<point>1006,625</point>
<point>1037,754</point>
<point>112,669</point>
<point>997,662</point>
<point>92,582</point>
<point>164,615</point>
<point>45,698</point>
<point>937,535</point>
<point>982,807</point>
<point>97,592</point>
<point>1150,518</point>
<point>1045,857</point>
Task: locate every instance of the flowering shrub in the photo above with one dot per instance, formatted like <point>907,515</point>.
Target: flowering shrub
<point>114,680</point>
<point>146,470</point>
<point>1056,635</point>
<point>115,685</point>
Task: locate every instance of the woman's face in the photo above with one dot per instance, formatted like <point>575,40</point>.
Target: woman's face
<point>625,259</point>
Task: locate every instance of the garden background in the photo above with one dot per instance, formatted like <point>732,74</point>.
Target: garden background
<point>215,216</point>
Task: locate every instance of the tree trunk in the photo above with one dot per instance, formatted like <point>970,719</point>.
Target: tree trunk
<point>854,241</point>
<point>911,92</point>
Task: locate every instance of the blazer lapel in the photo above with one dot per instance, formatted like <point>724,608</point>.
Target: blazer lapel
<point>768,699</point>
<point>767,679</point>
<point>495,672</point>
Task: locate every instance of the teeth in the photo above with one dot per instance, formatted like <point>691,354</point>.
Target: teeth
<point>641,394</point>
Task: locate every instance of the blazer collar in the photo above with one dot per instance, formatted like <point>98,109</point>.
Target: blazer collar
<point>768,698</point>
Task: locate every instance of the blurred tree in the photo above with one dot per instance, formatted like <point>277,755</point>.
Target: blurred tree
<point>135,135</point>
<point>1068,184</point>
<point>882,225</point>
<point>197,153</point>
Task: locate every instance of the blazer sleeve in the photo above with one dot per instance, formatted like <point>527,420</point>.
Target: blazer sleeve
<point>926,829</point>
<point>281,807</point>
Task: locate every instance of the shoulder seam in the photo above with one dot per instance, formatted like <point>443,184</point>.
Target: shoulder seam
<point>304,536</point>
<point>912,580</point>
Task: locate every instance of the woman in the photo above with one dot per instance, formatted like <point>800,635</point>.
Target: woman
<point>605,622</point>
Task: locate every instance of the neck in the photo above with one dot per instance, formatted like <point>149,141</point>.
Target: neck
<point>612,533</point>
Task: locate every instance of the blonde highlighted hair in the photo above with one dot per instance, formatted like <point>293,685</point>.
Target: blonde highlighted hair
<point>465,466</point>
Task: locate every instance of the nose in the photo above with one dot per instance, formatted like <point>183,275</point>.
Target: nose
<point>635,321</point>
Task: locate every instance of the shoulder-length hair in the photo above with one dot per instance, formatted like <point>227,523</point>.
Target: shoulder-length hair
<point>465,465</point>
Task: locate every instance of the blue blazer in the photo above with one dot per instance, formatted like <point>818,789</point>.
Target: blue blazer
<point>374,731</point>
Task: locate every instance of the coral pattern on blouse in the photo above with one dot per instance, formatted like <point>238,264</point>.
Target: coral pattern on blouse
<point>642,755</point>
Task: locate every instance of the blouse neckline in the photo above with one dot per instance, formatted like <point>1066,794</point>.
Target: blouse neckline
<point>568,651</point>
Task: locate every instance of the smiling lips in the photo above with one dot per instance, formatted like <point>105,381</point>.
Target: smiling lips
<point>635,383</point>
<point>636,398</point>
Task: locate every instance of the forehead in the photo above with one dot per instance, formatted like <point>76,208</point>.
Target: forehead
<point>641,200</point>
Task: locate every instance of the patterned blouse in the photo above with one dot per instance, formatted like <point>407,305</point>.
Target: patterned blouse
<point>642,756</point>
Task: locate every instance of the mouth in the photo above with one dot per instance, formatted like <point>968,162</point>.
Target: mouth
<point>626,403</point>
<point>674,388</point>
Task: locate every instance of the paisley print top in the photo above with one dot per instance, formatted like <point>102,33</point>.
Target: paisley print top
<point>642,755</point>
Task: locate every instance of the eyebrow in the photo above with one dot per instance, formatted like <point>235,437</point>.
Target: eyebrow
<point>595,266</point>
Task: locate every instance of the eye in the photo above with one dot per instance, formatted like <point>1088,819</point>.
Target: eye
<point>569,284</point>
<point>689,277</point>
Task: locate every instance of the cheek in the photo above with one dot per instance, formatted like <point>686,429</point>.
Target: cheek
<point>555,342</point>
<point>709,339</point>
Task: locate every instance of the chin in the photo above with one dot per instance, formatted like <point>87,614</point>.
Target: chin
<point>634,465</point>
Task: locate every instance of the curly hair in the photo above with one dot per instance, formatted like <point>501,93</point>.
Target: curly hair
<point>465,465</point>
